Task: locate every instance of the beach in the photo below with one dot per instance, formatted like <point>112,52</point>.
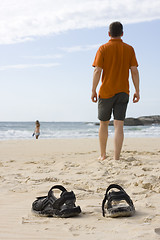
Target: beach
<point>29,168</point>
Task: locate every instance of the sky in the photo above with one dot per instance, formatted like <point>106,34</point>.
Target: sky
<point>47,49</point>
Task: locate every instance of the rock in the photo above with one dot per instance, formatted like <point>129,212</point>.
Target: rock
<point>130,122</point>
<point>147,120</point>
<point>141,121</point>
<point>133,122</point>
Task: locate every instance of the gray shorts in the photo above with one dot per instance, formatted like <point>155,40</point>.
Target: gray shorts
<point>116,104</point>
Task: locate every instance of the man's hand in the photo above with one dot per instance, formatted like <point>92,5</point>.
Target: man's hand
<point>135,79</point>
<point>94,96</point>
<point>136,98</point>
<point>96,78</point>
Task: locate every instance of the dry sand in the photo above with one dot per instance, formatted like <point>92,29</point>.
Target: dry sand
<point>29,168</point>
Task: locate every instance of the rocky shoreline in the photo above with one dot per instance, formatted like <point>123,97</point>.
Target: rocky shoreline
<point>140,121</point>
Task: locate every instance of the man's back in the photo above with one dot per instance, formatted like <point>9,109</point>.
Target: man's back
<point>115,58</point>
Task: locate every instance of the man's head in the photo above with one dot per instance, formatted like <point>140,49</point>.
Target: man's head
<point>115,29</point>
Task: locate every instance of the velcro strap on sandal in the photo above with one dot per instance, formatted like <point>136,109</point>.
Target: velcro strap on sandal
<point>115,196</point>
<point>118,196</point>
<point>65,196</point>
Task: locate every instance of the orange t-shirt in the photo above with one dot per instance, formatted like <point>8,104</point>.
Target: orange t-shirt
<point>115,58</point>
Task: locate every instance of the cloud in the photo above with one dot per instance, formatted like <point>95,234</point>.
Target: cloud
<point>24,66</point>
<point>22,20</point>
<point>81,48</point>
<point>55,56</point>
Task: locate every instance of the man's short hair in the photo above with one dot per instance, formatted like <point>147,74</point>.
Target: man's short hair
<point>116,29</point>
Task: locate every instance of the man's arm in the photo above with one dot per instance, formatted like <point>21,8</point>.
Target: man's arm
<point>96,78</point>
<point>135,79</point>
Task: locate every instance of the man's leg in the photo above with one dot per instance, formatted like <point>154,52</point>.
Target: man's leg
<point>118,138</point>
<point>103,136</point>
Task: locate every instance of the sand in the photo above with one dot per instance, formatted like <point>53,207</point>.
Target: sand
<point>29,168</point>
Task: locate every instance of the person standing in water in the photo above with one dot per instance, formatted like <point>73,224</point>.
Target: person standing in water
<point>37,129</point>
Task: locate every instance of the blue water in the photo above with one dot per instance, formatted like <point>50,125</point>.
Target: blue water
<point>24,130</point>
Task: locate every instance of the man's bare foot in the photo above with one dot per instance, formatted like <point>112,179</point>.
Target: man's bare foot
<point>101,158</point>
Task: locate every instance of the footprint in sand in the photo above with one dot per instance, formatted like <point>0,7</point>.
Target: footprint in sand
<point>31,162</point>
<point>1,164</point>
<point>133,152</point>
<point>11,161</point>
<point>147,185</point>
<point>146,169</point>
<point>19,189</point>
<point>157,230</point>
<point>34,219</point>
<point>131,159</point>
<point>149,219</point>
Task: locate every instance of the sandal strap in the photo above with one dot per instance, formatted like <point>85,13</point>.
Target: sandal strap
<point>118,196</point>
<point>114,186</point>
<point>65,196</point>
<point>121,195</point>
<point>60,187</point>
<point>43,201</point>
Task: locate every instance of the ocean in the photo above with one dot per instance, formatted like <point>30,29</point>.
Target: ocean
<point>54,130</point>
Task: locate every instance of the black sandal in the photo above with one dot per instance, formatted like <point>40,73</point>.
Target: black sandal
<point>50,206</point>
<point>114,203</point>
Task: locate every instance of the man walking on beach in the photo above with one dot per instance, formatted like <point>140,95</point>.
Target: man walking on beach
<point>115,58</point>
